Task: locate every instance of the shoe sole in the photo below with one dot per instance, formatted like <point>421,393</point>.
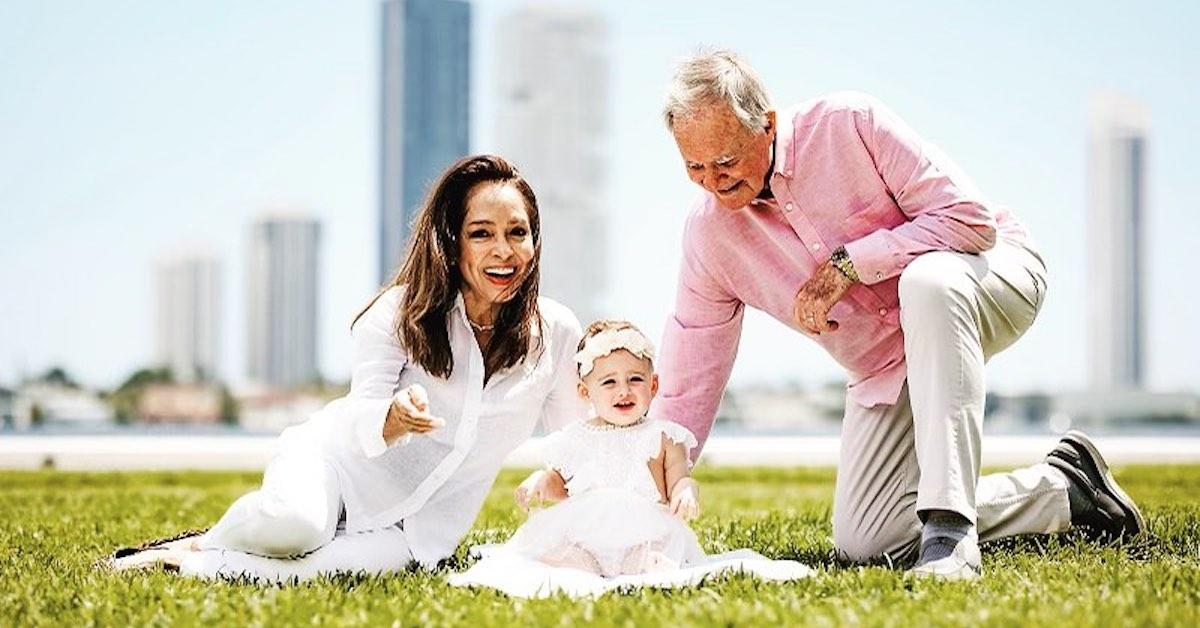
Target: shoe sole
<point>962,575</point>
<point>1081,440</point>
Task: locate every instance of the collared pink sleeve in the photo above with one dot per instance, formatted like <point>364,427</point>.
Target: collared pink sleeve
<point>698,347</point>
<point>942,215</point>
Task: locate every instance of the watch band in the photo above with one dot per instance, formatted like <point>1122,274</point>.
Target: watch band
<point>841,260</point>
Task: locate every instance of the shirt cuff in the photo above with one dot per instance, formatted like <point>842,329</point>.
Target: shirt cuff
<point>873,257</point>
<point>370,430</point>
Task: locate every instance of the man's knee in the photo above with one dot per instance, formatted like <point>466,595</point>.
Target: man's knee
<point>936,278</point>
<point>893,545</point>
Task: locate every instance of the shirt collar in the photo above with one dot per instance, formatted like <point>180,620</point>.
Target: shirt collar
<point>461,306</point>
<point>785,136</point>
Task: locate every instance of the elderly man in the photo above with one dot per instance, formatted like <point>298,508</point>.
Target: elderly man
<point>841,222</point>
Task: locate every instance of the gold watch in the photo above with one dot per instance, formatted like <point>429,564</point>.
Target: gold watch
<point>841,259</point>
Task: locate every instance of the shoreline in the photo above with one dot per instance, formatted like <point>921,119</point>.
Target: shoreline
<point>251,452</point>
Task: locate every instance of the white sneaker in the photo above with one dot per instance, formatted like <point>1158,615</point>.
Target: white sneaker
<point>962,563</point>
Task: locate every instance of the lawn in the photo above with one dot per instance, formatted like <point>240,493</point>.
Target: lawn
<point>55,524</point>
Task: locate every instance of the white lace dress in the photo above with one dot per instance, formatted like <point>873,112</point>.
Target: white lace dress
<point>613,528</point>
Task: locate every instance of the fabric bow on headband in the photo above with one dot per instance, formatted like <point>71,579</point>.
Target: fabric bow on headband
<point>608,341</point>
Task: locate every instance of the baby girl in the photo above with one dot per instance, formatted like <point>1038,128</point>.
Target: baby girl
<point>629,491</point>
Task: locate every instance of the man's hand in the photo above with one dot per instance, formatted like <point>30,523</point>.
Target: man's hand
<point>544,486</point>
<point>825,288</point>
<point>685,499</point>
<point>409,413</point>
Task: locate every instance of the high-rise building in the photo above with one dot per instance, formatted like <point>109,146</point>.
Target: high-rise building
<point>189,313</point>
<point>552,120</point>
<point>425,93</point>
<point>282,301</point>
<point>1116,242</point>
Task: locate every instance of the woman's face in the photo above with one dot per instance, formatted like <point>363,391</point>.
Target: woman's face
<point>495,244</point>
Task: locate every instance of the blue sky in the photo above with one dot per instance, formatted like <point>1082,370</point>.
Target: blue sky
<point>129,130</point>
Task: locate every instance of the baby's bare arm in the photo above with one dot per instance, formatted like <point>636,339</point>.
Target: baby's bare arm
<point>675,464</point>
<point>683,492</point>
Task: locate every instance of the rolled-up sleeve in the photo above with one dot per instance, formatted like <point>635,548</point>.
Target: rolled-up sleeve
<point>378,361</point>
<point>942,214</point>
<point>699,346</point>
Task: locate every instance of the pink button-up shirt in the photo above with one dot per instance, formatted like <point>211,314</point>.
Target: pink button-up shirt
<point>848,172</point>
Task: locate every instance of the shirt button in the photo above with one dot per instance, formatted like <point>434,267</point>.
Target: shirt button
<point>883,311</point>
<point>788,207</point>
<point>878,275</point>
<point>816,246</point>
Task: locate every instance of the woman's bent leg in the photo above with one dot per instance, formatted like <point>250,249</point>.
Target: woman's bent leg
<point>374,552</point>
<point>295,512</point>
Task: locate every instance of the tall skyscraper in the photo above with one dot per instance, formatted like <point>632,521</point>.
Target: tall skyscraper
<point>425,94</point>
<point>282,301</point>
<point>552,120</point>
<point>1116,241</point>
<point>189,313</point>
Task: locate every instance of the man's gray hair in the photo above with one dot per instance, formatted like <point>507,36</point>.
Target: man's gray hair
<point>713,76</point>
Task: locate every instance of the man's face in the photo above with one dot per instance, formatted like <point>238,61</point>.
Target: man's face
<point>724,157</point>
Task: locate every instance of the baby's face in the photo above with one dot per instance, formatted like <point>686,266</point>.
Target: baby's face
<point>620,387</point>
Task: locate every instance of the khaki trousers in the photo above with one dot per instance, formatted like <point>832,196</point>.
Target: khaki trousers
<point>923,452</point>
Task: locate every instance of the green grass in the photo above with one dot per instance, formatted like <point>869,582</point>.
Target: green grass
<point>55,524</point>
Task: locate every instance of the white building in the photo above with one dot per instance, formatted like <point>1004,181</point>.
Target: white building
<point>552,120</point>
<point>282,301</point>
<point>189,311</point>
<point>48,403</point>
<point>1116,244</point>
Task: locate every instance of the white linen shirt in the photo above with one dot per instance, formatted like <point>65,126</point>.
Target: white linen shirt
<point>435,483</point>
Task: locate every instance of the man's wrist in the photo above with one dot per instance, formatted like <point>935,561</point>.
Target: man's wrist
<point>841,261</point>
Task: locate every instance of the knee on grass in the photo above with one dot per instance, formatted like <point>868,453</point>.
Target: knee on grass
<point>896,548</point>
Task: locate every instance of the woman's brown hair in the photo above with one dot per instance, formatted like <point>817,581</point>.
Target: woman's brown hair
<point>432,279</point>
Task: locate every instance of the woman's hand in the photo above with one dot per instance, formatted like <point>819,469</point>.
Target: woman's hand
<point>409,414</point>
<point>685,499</point>
<point>545,485</point>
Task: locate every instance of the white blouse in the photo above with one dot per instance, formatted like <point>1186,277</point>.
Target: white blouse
<point>435,483</point>
<point>598,458</point>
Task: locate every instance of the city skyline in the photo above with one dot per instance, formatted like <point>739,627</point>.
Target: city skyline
<point>244,112</point>
<point>552,121</point>
<point>281,319</point>
<point>189,316</point>
<point>424,110</point>
<point>1117,243</point>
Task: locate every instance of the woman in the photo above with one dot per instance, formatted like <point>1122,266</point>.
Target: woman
<point>455,363</point>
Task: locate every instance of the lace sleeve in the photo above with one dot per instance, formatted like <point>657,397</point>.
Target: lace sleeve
<point>556,448</point>
<point>652,446</point>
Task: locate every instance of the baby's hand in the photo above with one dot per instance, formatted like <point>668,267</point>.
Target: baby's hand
<point>685,499</point>
<point>539,487</point>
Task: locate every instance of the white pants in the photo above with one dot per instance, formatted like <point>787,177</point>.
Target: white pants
<point>288,531</point>
<point>923,452</point>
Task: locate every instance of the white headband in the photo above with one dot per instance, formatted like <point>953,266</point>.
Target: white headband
<point>610,340</point>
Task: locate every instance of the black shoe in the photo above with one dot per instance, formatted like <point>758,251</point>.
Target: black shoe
<point>156,554</point>
<point>1097,502</point>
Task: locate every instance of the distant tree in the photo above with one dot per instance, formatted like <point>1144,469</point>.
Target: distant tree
<point>229,407</point>
<point>58,375</point>
<point>124,400</point>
